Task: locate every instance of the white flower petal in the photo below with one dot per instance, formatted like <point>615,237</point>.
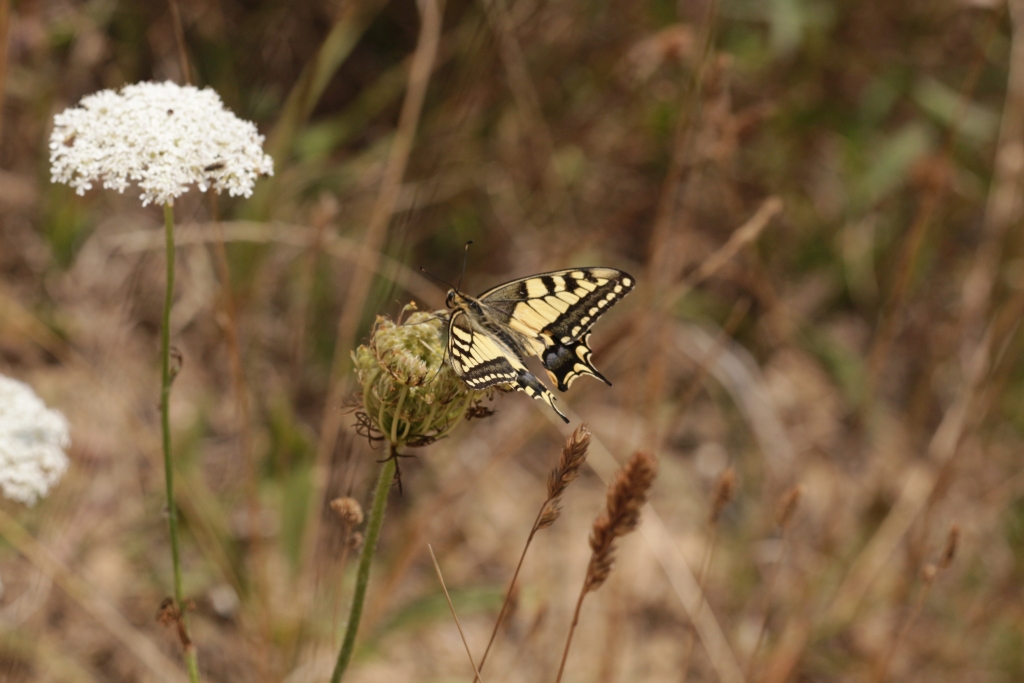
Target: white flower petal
<point>162,136</point>
<point>32,443</point>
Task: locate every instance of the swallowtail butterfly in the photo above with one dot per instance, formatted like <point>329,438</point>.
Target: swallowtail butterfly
<point>547,315</point>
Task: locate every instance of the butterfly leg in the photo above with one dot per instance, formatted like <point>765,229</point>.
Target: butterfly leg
<point>528,383</point>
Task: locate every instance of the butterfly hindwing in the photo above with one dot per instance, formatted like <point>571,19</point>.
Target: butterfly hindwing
<point>483,360</point>
<point>566,362</point>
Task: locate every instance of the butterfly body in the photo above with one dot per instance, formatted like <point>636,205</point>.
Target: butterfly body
<point>548,315</point>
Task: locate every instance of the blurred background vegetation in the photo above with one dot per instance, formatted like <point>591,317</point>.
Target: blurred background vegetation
<point>821,203</point>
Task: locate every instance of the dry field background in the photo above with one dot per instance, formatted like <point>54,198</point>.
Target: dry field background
<point>821,203</point>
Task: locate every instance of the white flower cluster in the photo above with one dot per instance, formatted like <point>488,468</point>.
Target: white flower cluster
<point>32,443</point>
<point>163,136</point>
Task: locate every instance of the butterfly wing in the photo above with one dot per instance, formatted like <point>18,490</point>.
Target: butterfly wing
<point>482,361</point>
<point>556,311</point>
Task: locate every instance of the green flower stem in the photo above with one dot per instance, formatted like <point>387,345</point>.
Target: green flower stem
<point>165,426</point>
<point>403,392</point>
<point>373,525</point>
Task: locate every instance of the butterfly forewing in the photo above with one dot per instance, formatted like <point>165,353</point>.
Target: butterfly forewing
<point>563,304</point>
<point>547,315</point>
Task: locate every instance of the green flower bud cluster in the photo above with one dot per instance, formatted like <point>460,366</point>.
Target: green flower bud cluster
<point>409,395</point>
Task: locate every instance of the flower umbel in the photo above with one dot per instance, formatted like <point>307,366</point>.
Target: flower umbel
<point>408,396</point>
<point>163,136</point>
<point>32,443</point>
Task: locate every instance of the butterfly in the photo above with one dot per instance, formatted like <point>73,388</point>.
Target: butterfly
<point>548,315</point>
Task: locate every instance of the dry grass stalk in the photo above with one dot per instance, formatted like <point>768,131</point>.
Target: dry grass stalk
<point>179,41</point>
<point>228,320</point>
<point>627,494</point>
<point>135,642</point>
<point>574,454</point>
<point>929,572</point>
<point>350,512</point>
<point>934,194</point>
<point>736,316</point>
<point>743,236</point>
<point>1003,206</point>
<point>447,597</point>
<point>373,242</point>
<point>673,215</point>
<point>787,508</point>
<point>725,491</point>
<point>5,29</point>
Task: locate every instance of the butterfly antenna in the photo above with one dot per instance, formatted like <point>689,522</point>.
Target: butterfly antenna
<point>465,258</point>
<point>431,275</point>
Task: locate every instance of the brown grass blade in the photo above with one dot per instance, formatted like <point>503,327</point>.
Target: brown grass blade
<point>447,597</point>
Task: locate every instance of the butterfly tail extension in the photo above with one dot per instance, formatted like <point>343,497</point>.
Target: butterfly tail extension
<point>527,382</point>
<point>567,361</point>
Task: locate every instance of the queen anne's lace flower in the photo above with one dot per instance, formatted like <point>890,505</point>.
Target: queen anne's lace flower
<point>32,443</point>
<point>409,394</point>
<point>163,136</point>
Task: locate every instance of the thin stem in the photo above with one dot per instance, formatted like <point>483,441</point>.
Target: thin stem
<point>455,616</point>
<point>243,424</point>
<point>5,31</point>
<point>342,564</point>
<point>882,671</point>
<point>511,586</point>
<point>705,566</point>
<point>132,640</point>
<point>373,525</point>
<point>572,628</point>
<point>398,415</point>
<point>179,38</point>
<point>165,427</point>
<point>769,591</point>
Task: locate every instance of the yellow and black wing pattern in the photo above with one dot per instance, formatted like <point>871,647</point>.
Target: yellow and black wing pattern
<point>547,315</point>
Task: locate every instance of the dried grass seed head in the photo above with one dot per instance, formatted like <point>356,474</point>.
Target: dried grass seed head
<point>408,396</point>
<point>33,439</point>
<point>349,510</point>
<point>574,454</point>
<point>787,506</point>
<point>725,489</point>
<point>549,513</point>
<point>952,543</point>
<point>627,494</point>
<point>162,136</point>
